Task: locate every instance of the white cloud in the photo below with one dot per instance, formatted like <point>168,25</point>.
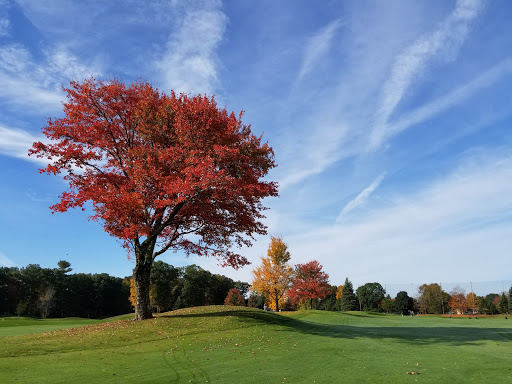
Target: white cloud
<point>330,123</point>
<point>317,47</point>
<point>5,261</point>
<point>26,81</point>
<point>361,198</point>
<point>16,143</point>
<point>4,20</point>
<point>445,41</point>
<point>67,66</point>
<point>450,225</point>
<point>317,152</point>
<point>4,26</point>
<point>457,96</point>
<point>189,63</point>
<point>58,17</point>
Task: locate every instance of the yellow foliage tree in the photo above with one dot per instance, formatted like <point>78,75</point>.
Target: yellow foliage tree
<point>473,302</point>
<point>133,299</point>
<point>339,292</point>
<point>273,277</point>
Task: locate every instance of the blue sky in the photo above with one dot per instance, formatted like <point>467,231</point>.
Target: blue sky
<point>391,124</point>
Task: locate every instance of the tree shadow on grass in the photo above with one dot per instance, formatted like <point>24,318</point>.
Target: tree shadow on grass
<point>448,335</point>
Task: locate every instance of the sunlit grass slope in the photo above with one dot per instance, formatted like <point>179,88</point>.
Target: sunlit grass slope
<point>243,345</point>
<point>12,326</point>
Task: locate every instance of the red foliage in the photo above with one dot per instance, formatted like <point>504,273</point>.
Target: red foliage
<point>157,166</point>
<point>309,283</point>
<point>234,297</point>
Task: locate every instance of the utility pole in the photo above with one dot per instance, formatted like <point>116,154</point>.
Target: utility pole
<point>472,298</point>
<point>441,294</point>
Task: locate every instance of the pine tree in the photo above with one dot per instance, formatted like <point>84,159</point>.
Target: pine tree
<point>503,303</point>
<point>510,300</point>
<point>348,297</point>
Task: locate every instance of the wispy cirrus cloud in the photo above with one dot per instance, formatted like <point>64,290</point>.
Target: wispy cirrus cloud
<point>457,96</point>
<point>334,115</point>
<point>26,81</point>
<point>4,19</point>
<point>445,41</point>
<point>36,87</point>
<point>22,82</point>
<point>317,153</point>
<point>361,198</point>
<point>63,65</point>
<point>317,47</point>
<point>452,221</point>
<point>5,261</point>
<point>16,143</point>
<point>189,63</point>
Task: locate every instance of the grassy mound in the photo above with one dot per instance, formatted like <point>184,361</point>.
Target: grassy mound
<point>243,345</point>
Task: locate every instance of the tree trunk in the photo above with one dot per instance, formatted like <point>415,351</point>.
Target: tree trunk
<point>276,298</point>
<point>141,280</point>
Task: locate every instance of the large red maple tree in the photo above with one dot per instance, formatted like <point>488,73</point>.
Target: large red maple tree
<point>161,172</point>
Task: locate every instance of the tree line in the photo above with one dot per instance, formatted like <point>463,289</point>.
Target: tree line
<point>36,291</point>
<point>55,292</point>
<point>306,286</point>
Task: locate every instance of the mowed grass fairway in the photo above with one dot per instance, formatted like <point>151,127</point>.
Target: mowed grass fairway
<point>243,345</point>
<point>13,326</point>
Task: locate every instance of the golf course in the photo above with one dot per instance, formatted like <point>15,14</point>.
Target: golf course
<point>225,344</point>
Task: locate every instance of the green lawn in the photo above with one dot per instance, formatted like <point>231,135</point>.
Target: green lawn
<point>242,345</point>
<point>14,326</point>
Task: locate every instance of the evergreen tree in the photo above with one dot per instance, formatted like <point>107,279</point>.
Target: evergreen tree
<point>348,298</point>
<point>330,303</point>
<point>64,266</point>
<point>488,304</point>
<point>510,300</point>
<point>503,303</point>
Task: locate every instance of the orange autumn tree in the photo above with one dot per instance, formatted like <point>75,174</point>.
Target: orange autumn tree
<point>273,277</point>
<point>339,292</point>
<point>458,301</point>
<point>235,298</point>
<point>161,172</point>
